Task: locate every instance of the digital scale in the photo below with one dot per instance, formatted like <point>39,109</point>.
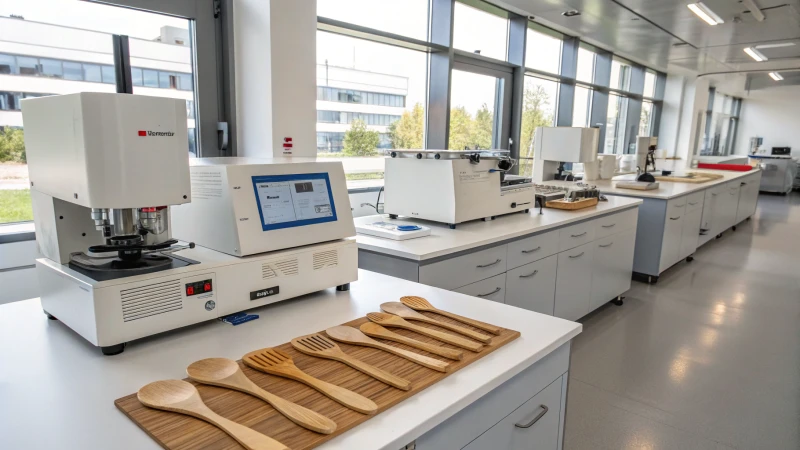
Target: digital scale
<point>393,230</point>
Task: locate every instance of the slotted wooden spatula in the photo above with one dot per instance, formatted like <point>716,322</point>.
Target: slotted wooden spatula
<point>389,320</point>
<point>276,362</point>
<point>375,330</point>
<point>227,373</point>
<point>350,335</point>
<point>182,397</point>
<point>322,347</point>
<point>399,309</point>
<point>421,304</point>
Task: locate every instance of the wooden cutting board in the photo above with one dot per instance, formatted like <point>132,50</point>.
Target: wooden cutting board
<point>178,432</point>
<point>699,177</point>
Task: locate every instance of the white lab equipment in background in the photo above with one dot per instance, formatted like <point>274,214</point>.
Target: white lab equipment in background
<point>554,146</point>
<point>393,229</point>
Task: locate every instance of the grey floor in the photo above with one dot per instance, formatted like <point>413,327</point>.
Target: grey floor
<point>708,358</point>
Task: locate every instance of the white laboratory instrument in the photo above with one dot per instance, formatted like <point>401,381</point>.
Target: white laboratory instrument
<point>452,187</point>
<point>778,170</point>
<point>554,146</point>
<point>106,172</point>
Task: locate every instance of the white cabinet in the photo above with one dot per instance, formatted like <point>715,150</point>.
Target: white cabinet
<point>731,204</point>
<point>673,232</point>
<point>493,289</point>
<point>465,269</point>
<point>690,233</point>
<point>533,286</point>
<point>611,267</point>
<point>532,249</point>
<point>748,197</point>
<point>574,282</point>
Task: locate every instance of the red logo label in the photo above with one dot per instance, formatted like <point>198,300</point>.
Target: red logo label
<point>142,133</point>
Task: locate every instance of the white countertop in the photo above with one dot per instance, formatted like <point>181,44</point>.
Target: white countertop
<point>58,391</point>
<point>444,241</point>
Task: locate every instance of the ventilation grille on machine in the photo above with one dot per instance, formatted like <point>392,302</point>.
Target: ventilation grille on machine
<point>326,259</point>
<point>151,300</point>
<point>286,268</point>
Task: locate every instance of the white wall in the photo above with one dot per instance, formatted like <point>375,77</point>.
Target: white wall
<point>772,114</point>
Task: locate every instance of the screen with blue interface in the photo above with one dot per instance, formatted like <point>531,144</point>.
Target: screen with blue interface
<point>286,201</point>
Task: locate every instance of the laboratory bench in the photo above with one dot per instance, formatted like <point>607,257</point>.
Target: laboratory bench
<point>561,263</point>
<point>58,391</point>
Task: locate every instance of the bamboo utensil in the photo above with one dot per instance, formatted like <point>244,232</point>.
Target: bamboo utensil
<point>182,397</point>
<point>389,320</point>
<point>375,330</point>
<point>350,335</point>
<point>399,309</point>
<point>276,362</point>
<point>421,304</point>
<point>227,373</point>
<point>322,347</point>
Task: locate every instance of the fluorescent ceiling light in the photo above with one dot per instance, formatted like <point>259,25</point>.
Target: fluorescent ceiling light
<point>704,12</point>
<point>775,76</point>
<point>782,44</point>
<point>754,10</point>
<point>755,54</point>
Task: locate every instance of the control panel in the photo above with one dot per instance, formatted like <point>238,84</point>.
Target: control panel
<point>199,287</point>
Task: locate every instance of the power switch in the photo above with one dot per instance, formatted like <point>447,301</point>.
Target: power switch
<point>189,290</point>
<point>207,287</point>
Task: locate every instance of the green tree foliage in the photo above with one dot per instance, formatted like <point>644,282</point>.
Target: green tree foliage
<point>12,145</point>
<point>461,124</point>
<point>359,141</point>
<point>407,132</point>
<point>482,130</point>
<point>534,114</point>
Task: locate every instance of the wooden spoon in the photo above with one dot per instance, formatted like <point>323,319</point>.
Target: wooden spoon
<point>227,373</point>
<point>350,335</point>
<point>320,346</point>
<point>276,362</point>
<point>182,397</point>
<point>375,330</point>
<point>421,304</point>
<point>389,320</point>
<point>399,309</point>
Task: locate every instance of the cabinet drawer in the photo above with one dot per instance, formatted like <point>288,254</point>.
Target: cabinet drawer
<point>575,235</point>
<point>612,266</point>
<point>533,286</point>
<point>532,249</point>
<point>677,205</point>
<point>532,426</point>
<point>695,201</point>
<point>574,282</point>
<point>493,289</point>
<point>615,223</point>
<point>465,269</point>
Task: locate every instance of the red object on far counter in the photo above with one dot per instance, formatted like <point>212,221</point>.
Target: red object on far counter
<point>734,167</point>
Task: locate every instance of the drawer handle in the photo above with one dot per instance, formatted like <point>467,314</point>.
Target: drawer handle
<point>732,192</point>
<point>578,235</point>
<point>578,255</point>
<point>530,274</point>
<point>535,419</point>
<point>680,206</point>
<point>608,226</point>
<point>532,250</point>
<point>495,291</point>
<point>713,194</point>
<point>606,246</point>
<point>674,218</point>
<point>481,266</point>
<point>742,184</point>
<point>693,203</point>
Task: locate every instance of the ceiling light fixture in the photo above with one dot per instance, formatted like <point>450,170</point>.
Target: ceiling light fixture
<point>754,10</point>
<point>782,44</point>
<point>755,54</point>
<point>775,76</point>
<point>704,12</point>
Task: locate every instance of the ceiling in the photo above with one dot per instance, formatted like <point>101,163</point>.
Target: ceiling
<point>666,35</point>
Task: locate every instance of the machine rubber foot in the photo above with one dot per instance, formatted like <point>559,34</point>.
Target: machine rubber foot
<point>393,216</point>
<point>689,259</point>
<point>113,349</point>
<point>526,211</point>
<point>719,235</point>
<point>618,301</point>
<point>452,226</point>
<point>49,316</point>
<point>747,218</point>
<point>652,280</point>
<point>343,287</point>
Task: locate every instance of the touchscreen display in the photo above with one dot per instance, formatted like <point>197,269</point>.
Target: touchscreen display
<point>286,201</point>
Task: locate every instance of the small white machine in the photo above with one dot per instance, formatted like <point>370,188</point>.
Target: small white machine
<point>554,146</point>
<point>108,170</point>
<point>394,230</point>
<point>454,186</point>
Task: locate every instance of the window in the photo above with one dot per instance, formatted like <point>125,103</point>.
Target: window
<point>721,124</point>
<point>620,75</point>
<point>585,71</point>
<point>615,124</point>
<point>51,68</point>
<point>403,17</point>
<point>479,31</point>
<point>472,110</point>
<point>649,84</point>
<point>646,119</point>
<point>363,97</point>
<point>543,50</point>
<point>538,110</point>
<point>27,65</point>
<point>582,107</point>
<point>8,64</point>
<point>108,74</point>
<point>73,71</point>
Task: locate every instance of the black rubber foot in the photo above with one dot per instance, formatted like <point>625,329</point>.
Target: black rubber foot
<point>618,301</point>
<point>343,287</point>
<point>50,316</point>
<point>526,211</point>
<point>689,258</point>
<point>652,280</point>
<point>733,228</point>
<point>393,216</point>
<point>452,226</point>
<point>113,349</point>
<point>747,218</point>
<point>719,235</point>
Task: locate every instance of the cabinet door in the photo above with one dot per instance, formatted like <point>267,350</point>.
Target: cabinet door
<point>748,197</point>
<point>671,245</point>
<point>574,282</point>
<point>611,267</point>
<point>533,286</point>
<point>532,426</point>
<point>493,289</point>
<point>690,234</point>
<point>731,205</point>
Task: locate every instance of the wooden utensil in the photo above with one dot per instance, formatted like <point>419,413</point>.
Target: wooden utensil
<point>350,335</point>
<point>276,362</point>
<point>399,309</point>
<point>227,373</point>
<point>389,320</point>
<point>421,304</point>
<point>182,397</point>
<point>375,330</point>
<point>322,347</point>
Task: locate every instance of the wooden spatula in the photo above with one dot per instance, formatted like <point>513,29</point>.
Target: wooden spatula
<point>322,347</point>
<point>350,335</point>
<point>227,373</point>
<point>399,309</point>
<point>182,397</point>
<point>375,330</point>
<point>389,320</point>
<point>421,304</point>
<point>276,362</point>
